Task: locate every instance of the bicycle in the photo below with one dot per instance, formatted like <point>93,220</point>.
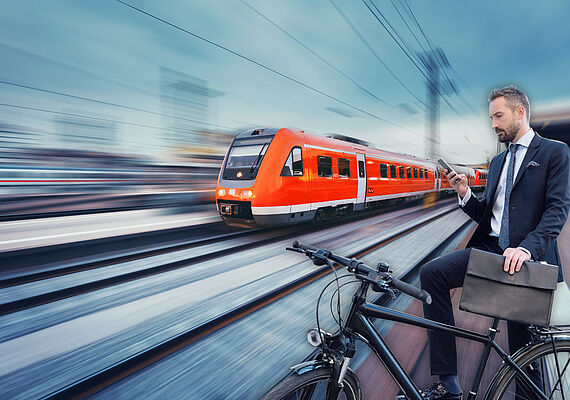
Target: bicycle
<point>328,375</point>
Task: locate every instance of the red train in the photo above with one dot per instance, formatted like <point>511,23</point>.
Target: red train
<point>282,176</point>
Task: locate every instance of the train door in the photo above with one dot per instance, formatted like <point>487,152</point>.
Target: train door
<point>361,193</point>
<point>438,179</point>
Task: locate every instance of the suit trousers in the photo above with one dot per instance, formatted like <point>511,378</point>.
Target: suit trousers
<point>438,277</point>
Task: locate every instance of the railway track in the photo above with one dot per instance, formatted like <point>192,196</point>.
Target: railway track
<point>238,241</point>
<point>115,372</point>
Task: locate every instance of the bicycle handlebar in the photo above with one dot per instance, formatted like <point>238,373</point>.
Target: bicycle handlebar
<point>372,274</point>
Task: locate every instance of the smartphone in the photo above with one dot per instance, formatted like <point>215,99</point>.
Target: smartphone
<point>445,165</point>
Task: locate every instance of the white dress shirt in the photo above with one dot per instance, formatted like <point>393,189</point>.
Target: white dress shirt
<point>499,201</point>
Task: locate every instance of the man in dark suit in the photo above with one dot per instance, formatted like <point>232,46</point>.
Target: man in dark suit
<point>522,212</point>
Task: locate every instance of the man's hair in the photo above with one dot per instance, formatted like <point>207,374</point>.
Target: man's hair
<point>514,97</point>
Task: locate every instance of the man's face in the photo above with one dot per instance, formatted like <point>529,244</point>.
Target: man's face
<point>503,120</point>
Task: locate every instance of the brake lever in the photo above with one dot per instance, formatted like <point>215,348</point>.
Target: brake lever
<point>383,288</point>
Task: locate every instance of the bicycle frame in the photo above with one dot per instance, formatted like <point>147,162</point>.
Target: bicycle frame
<point>358,322</point>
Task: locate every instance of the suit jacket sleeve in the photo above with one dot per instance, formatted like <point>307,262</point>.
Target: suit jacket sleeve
<point>557,202</point>
<point>474,207</point>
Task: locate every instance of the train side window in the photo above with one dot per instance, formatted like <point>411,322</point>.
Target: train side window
<point>294,163</point>
<point>415,173</point>
<point>409,172</point>
<point>402,172</point>
<point>426,173</point>
<point>383,171</point>
<point>393,171</point>
<point>361,173</point>
<point>324,166</point>
<point>421,173</point>
<point>343,168</point>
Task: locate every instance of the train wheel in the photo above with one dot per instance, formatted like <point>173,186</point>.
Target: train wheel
<point>319,216</point>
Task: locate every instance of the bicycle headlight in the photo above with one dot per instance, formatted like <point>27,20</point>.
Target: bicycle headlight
<point>314,337</point>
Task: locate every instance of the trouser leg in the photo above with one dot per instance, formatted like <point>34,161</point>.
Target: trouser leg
<point>438,277</point>
<point>519,336</point>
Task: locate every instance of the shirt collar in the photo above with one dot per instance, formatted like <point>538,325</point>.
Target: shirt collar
<point>526,139</point>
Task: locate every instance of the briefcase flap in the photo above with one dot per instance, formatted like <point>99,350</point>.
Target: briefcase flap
<point>532,274</point>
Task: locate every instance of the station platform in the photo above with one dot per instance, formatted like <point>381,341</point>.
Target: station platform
<point>18,235</point>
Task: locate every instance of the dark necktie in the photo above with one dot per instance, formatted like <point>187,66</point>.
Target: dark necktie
<point>504,234</point>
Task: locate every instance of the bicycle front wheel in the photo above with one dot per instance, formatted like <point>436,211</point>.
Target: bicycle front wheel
<point>548,365</point>
<point>313,385</point>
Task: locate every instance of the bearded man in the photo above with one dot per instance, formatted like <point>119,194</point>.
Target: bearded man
<point>521,214</point>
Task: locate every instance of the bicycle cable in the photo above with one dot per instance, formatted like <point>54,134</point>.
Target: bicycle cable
<point>341,286</point>
<point>319,301</point>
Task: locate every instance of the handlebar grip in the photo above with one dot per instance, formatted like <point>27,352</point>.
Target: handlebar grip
<point>301,246</point>
<point>413,291</point>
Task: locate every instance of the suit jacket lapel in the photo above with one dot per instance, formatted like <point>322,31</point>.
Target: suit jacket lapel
<point>495,175</point>
<point>530,153</point>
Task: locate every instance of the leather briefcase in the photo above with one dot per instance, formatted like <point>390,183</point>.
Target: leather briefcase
<point>525,296</point>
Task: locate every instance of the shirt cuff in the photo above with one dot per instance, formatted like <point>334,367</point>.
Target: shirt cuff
<point>526,251</point>
<point>465,199</point>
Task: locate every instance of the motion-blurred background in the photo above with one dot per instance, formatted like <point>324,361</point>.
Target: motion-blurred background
<point>102,99</point>
<point>114,120</point>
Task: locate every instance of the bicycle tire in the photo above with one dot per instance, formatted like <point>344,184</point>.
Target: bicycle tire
<point>504,385</point>
<point>312,385</point>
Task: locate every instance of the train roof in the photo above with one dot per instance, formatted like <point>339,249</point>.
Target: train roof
<point>346,144</point>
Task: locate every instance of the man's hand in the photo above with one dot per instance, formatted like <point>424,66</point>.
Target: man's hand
<point>514,259</point>
<point>458,182</point>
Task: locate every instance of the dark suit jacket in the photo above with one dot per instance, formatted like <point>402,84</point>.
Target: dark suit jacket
<point>539,201</point>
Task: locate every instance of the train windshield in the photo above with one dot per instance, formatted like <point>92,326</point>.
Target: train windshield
<point>244,158</point>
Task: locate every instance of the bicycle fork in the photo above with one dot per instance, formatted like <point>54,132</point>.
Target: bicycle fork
<point>339,371</point>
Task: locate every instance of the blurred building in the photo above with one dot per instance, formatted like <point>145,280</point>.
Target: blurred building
<point>188,106</point>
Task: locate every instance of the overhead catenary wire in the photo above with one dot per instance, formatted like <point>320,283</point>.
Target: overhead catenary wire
<point>365,42</point>
<point>43,110</point>
<point>428,41</point>
<point>404,50</point>
<point>322,58</point>
<point>259,64</point>
<point>408,26</point>
<point>72,68</point>
<point>434,89</point>
<point>107,103</point>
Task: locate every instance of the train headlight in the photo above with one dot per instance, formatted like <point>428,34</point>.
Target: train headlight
<point>246,193</point>
<point>221,192</point>
<point>239,174</point>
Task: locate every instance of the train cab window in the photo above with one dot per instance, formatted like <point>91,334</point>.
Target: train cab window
<point>393,171</point>
<point>402,172</point>
<point>426,173</point>
<point>415,173</point>
<point>343,168</point>
<point>324,166</point>
<point>383,171</point>
<point>361,173</point>
<point>294,164</point>
<point>421,173</point>
<point>409,172</point>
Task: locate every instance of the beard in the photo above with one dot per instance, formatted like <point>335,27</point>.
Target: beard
<point>507,135</point>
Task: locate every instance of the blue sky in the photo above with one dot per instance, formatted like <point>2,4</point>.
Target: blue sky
<point>106,51</point>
